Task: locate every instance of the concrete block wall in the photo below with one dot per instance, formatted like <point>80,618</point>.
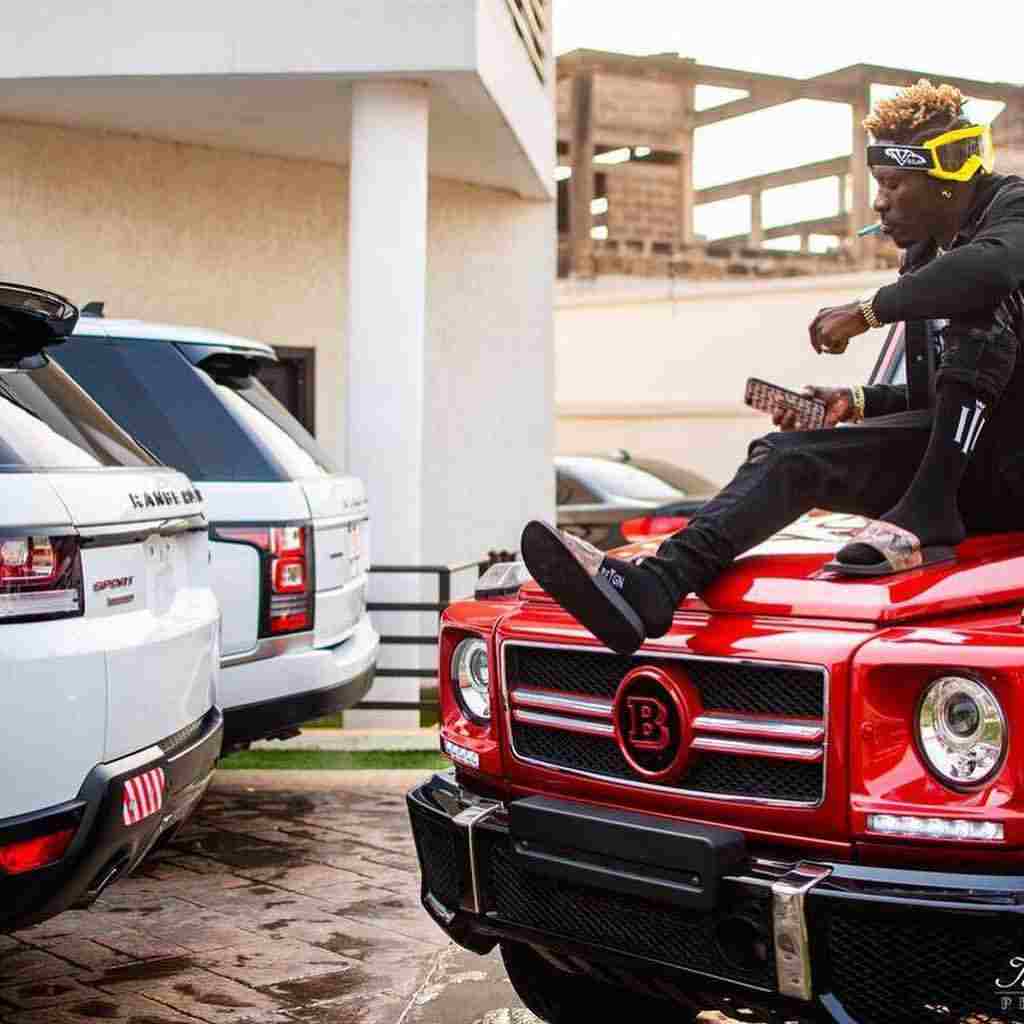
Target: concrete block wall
<point>643,203</point>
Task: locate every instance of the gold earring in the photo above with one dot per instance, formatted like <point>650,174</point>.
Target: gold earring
<point>946,194</point>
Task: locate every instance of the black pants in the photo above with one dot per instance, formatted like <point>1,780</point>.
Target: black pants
<point>863,469</point>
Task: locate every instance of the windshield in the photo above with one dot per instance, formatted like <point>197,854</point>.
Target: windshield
<point>48,422</point>
<point>616,480</point>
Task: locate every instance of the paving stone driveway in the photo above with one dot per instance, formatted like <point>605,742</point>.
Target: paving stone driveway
<point>284,901</point>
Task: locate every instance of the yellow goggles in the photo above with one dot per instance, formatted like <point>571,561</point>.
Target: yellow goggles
<point>956,155</point>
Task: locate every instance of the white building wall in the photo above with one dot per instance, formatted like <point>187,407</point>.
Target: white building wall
<point>257,246</point>
<point>661,370</point>
<point>183,234</point>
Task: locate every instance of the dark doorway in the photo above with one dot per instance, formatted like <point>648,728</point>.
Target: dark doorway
<point>292,381</point>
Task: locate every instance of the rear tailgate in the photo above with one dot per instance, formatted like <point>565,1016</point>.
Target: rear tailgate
<point>341,552</point>
<point>237,569</point>
<point>145,570</point>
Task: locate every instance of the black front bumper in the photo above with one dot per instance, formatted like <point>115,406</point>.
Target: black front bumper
<point>104,848</point>
<point>879,945</point>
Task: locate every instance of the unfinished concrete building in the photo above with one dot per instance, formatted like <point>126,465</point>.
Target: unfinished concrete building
<point>626,130</point>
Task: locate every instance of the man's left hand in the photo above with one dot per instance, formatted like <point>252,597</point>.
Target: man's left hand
<point>834,326</point>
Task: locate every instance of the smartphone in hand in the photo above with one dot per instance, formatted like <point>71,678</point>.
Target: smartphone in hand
<point>770,397</point>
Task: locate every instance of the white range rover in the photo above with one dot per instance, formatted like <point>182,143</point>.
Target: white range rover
<point>289,532</point>
<point>109,650</point>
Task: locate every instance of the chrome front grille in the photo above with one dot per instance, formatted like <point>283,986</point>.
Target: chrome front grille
<point>759,732</point>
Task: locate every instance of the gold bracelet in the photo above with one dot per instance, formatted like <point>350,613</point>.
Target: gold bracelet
<point>857,393</point>
<point>867,310</point>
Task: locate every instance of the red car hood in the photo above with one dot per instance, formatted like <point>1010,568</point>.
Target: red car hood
<point>785,576</point>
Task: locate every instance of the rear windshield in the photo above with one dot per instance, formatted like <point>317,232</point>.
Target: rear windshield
<point>276,427</point>
<point>219,430</point>
<point>48,422</point>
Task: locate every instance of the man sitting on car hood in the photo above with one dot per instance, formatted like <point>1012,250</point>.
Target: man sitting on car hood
<point>924,468</point>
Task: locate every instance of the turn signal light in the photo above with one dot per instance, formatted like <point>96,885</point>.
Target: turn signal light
<point>32,854</point>
<point>286,557</point>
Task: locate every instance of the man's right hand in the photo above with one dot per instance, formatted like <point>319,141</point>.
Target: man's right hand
<point>838,408</point>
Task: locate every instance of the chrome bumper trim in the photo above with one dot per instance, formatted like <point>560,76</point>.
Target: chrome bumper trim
<point>469,819</point>
<point>792,949</point>
<point>270,647</point>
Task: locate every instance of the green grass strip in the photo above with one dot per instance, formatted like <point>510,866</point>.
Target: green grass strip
<point>335,759</point>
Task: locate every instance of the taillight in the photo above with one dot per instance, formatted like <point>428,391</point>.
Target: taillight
<point>40,578</point>
<point>286,559</point>
<point>645,527</point>
<point>31,854</point>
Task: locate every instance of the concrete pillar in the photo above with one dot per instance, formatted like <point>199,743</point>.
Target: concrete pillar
<point>1008,136</point>
<point>387,268</point>
<point>686,191</point>
<point>581,184</point>
<point>860,211</point>
<point>756,221</point>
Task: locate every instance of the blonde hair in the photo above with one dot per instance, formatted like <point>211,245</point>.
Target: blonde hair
<point>914,109</point>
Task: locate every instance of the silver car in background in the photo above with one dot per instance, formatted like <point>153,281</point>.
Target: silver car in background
<point>595,494</point>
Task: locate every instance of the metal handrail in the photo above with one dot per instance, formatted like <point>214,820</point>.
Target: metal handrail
<point>444,599</point>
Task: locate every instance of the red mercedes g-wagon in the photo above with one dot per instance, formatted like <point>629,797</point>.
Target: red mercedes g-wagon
<point>806,802</point>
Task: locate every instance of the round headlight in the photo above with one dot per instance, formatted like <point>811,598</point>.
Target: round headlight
<point>962,731</point>
<point>471,677</point>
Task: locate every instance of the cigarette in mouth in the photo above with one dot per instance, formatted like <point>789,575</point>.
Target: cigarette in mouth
<point>871,229</point>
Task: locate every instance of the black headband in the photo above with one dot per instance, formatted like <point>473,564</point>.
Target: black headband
<point>909,158</point>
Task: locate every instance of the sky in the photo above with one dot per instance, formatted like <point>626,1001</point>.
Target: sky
<point>799,39</point>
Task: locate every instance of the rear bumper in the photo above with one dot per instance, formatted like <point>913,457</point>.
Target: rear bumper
<point>104,847</point>
<point>302,684</point>
<point>852,944</point>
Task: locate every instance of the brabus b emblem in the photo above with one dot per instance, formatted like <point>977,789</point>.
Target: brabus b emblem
<point>648,723</point>
<point>651,716</point>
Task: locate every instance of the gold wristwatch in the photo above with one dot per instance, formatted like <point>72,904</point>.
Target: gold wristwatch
<point>867,310</point>
<point>857,397</point>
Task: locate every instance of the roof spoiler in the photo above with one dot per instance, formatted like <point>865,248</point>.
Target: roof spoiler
<point>31,319</point>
